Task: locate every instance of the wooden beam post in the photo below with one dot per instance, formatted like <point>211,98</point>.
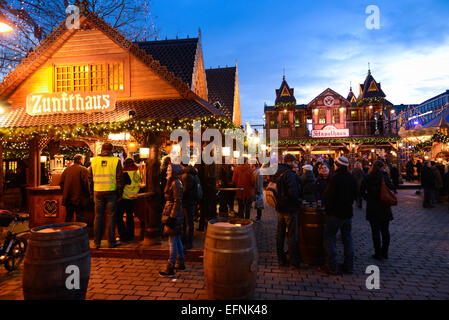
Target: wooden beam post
<point>153,210</point>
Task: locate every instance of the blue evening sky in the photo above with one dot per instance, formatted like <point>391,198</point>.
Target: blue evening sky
<point>320,43</point>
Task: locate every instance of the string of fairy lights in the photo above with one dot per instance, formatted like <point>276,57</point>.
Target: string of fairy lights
<point>367,140</point>
<point>102,130</point>
<point>15,145</point>
<point>437,137</point>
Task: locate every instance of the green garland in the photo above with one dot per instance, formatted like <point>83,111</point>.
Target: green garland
<point>102,130</point>
<point>369,140</point>
<point>370,100</point>
<point>437,137</point>
<point>285,104</point>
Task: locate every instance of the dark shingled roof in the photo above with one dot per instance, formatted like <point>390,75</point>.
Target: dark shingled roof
<point>177,55</point>
<point>366,85</point>
<point>145,109</point>
<point>221,88</point>
<point>285,99</point>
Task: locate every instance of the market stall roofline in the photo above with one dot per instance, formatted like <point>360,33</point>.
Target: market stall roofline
<point>145,109</point>
<point>36,58</point>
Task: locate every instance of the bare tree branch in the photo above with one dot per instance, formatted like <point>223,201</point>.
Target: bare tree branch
<point>33,19</point>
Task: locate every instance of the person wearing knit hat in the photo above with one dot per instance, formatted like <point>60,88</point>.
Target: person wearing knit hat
<point>340,196</point>
<point>307,167</point>
<point>342,162</point>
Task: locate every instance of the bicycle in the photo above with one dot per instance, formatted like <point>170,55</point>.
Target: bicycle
<point>13,249</point>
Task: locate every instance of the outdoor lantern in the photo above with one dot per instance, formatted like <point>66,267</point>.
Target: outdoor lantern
<point>132,146</point>
<point>342,109</point>
<point>370,107</point>
<point>401,145</point>
<point>226,151</point>
<point>308,146</point>
<point>315,111</point>
<point>372,150</point>
<point>144,153</point>
<point>43,159</point>
<point>285,110</point>
<point>176,149</point>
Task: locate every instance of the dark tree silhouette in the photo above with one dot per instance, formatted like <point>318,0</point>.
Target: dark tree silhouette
<point>33,20</point>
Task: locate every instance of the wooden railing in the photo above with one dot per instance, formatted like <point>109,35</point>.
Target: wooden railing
<point>356,129</point>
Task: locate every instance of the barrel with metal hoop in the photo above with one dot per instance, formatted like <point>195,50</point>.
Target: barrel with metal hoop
<point>57,263</point>
<point>311,233</point>
<point>230,259</point>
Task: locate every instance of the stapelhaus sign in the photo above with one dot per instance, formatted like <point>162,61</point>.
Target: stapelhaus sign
<point>330,132</point>
<point>70,102</point>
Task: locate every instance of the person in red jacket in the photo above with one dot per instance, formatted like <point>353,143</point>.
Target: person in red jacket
<point>244,178</point>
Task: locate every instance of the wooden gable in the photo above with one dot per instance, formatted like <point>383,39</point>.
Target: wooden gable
<point>93,47</point>
<point>199,84</point>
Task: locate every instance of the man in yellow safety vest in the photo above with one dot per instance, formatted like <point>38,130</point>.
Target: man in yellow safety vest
<point>132,188</point>
<point>106,188</point>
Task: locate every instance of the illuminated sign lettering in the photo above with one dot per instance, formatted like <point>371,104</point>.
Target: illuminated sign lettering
<point>70,102</point>
<point>330,132</point>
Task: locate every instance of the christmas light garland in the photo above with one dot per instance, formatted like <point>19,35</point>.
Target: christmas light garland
<point>102,130</point>
<point>369,140</point>
<point>437,137</point>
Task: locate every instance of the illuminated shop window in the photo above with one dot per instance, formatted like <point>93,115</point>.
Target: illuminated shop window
<point>354,115</point>
<point>322,116</point>
<point>98,77</point>
<point>335,116</point>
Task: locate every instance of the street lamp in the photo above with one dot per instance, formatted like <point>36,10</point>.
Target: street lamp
<point>4,26</point>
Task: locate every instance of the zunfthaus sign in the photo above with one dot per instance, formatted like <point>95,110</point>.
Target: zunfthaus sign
<point>70,102</point>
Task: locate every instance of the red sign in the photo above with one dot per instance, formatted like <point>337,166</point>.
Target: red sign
<point>70,102</point>
<point>330,132</point>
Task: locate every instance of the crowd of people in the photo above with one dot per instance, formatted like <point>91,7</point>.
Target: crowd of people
<point>188,193</point>
<point>333,186</point>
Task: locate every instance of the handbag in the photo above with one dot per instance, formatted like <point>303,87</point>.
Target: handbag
<point>258,201</point>
<point>387,197</point>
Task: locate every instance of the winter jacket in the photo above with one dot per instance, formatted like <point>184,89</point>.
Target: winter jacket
<point>308,186</point>
<point>288,190</point>
<point>438,179</point>
<point>173,197</point>
<point>358,175</point>
<point>341,193</point>
<point>244,178</point>
<point>427,178</point>
<point>75,186</point>
<point>375,210</point>
<point>321,188</point>
<point>188,187</point>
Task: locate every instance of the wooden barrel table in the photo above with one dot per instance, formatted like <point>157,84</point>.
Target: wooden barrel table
<point>57,263</point>
<point>311,231</point>
<point>230,259</point>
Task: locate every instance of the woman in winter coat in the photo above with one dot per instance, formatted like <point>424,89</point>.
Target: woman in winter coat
<point>258,198</point>
<point>244,178</point>
<point>378,214</point>
<point>173,218</point>
<point>308,184</point>
<point>322,182</point>
<point>358,174</point>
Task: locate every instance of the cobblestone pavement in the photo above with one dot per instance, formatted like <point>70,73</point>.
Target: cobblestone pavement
<point>418,267</point>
